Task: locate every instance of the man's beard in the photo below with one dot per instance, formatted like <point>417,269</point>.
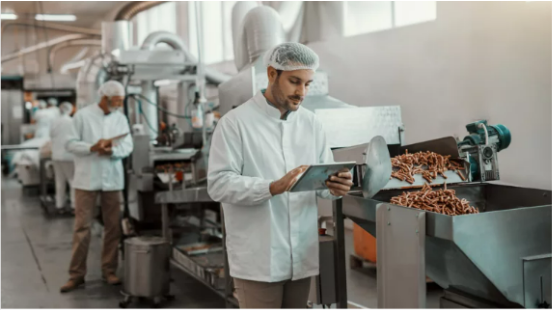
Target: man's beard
<point>281,100</point>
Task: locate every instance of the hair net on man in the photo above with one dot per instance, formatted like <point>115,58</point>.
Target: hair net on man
<point>66,108</point>
<point>291,56</point>
<point>112,89</point>
<point>42,104</point>
<point>52,102</point>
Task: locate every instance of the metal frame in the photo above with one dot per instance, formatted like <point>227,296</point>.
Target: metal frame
<point>339,239</point>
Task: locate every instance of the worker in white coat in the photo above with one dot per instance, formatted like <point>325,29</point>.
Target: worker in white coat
<point>62,159</point>
<point>43,119</point>
<point>53,107</point>
<point>257,152</point>
<point>98,172</point>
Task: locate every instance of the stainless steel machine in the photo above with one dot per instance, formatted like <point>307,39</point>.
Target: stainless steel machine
<point>500,257</point>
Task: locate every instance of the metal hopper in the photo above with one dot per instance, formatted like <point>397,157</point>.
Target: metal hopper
<point>499,257</point>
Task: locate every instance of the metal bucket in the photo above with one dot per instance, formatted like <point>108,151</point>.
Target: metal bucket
<point>146,267</point>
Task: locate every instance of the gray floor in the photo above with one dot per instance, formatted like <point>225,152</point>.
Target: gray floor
<point>35,256</point>
<point>36,250</point>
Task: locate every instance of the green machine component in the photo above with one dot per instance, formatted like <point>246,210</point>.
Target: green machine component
<point>481,146</point>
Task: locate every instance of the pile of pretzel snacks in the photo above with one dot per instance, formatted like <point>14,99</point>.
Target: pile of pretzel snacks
<point>442,201</point>
<point>428,164</point>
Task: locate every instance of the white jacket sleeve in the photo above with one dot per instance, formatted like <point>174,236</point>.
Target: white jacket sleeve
<point>224,181</point>
<point>326,157</point>
<point>124,146</point>
<point>74,143</point>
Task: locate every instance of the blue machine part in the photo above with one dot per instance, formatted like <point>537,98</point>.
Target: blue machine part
<point>477,135</point>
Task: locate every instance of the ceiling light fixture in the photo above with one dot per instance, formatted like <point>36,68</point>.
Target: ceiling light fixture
<point>56,17</point>
<point>6,16</point>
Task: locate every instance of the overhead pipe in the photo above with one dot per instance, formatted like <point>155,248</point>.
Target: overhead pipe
<point>72,65</point>
<point>49,25</point>
<point>133,8</point>
<point>263,30</point>
<point>239,11</point>
<point>39,46</point>
<point>211,75</point>
<point>78,42</point>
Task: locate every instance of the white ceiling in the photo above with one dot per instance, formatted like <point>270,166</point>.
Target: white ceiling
<point>88,12</point>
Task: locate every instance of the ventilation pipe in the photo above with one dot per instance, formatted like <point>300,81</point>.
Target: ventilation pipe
<point>133,8</point>
<point>89,79</point>
<point>262,29</point>
<point>48,25</point>
<point>239,11</point>
<point>39,46</point>
<point>79,42</point>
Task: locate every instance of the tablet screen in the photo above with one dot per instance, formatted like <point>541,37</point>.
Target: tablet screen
<point>315,177</point>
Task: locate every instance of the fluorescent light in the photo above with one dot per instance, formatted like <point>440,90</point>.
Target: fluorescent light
<point>56,17</point>
<point>6,16</point>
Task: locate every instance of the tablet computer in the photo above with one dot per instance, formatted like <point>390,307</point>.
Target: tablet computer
<point>315,177</point>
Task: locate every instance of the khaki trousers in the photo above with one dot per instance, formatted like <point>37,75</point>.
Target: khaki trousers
<point>85,202</point>
<point>262,295</point>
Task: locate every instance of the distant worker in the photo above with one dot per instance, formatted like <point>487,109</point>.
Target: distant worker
<point>44,117</point>
<point>62,159</point>
<point>98,171</point>
<point>53,107</point>
<point>272,234</point>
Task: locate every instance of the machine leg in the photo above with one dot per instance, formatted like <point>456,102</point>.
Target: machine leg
<point>400,257</point>
<point>228,285</point>
<point>340,270</point>
<point>165,222</point>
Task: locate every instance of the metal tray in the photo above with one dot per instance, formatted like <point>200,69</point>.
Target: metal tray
<point>208,267</point>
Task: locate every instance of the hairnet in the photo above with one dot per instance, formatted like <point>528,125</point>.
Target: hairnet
<point>291,56</point>
<point>52,101</point>
<point>66,108</point>
<point>111,89</point>
<point>42,104</point>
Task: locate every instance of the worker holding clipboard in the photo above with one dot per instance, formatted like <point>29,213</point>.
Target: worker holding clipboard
<point>99,140</point>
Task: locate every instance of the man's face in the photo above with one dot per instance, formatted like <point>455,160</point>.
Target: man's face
<point>290,87</point>
<point>114,103</point>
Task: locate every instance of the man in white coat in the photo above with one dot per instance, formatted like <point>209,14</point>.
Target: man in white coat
<point>257,152</point>
<point>98,171</point>
<point>62,159</point>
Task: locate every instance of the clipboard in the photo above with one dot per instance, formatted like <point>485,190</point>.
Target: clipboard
<point>118,137</point>
<point>315,177</point>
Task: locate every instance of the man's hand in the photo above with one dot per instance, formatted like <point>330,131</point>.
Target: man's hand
<point>340,184</point>
<point>100,145</point>
<point>284,184</point>
<point>107,151</point>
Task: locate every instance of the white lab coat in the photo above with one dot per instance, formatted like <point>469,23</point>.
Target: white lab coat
<point>269,239</point>
<point>60,131</point>
<point>92,171</point>
<point>44,119</point>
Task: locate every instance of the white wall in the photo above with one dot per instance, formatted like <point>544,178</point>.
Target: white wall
<point>478,60</point>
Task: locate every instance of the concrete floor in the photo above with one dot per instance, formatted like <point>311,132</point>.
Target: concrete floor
<point>36,250</point>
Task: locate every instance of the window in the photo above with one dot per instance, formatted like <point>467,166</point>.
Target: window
<point>216,19</point>
<point>369,16</point>
<point>160,17</point>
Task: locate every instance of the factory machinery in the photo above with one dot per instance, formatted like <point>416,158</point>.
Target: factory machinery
<point>500,257</point>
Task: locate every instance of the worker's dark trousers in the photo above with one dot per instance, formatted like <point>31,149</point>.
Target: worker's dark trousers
<point>85,202</point>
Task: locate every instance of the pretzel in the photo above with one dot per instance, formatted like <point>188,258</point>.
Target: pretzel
<point>407,165</point>
<point>442,201</point>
